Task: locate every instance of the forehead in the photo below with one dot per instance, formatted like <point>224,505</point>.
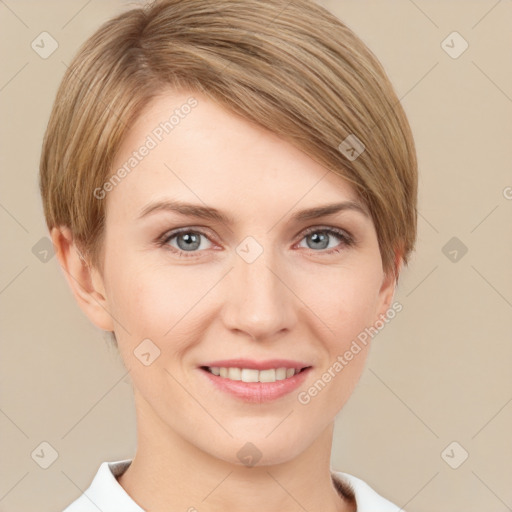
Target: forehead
<point>186,146</point>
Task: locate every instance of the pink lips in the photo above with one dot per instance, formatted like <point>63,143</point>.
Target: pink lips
<point>256,392</point>
<point>257,365</point>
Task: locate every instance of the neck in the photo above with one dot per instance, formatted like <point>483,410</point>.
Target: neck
<point>169,473</point>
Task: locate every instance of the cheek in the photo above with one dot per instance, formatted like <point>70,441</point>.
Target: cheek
<point>156,301</point>
<point>348,310</point>
<point>344,300</point>
<point>159,300</point>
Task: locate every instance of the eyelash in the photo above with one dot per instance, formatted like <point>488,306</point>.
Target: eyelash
<point>346,240</point>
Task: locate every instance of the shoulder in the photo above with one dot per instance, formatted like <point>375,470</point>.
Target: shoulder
<point>366,498</point>
<point>105,493</point>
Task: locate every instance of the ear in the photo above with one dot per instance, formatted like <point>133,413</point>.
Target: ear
<point>85,282</point>
<point>387,289</point>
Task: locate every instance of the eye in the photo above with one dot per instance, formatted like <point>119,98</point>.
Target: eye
<point>319,238</point>
<point>187,241</point>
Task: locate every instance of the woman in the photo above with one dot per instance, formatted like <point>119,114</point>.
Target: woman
<point>231,188</point>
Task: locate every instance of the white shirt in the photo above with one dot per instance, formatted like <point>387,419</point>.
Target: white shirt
<point>105,494</point>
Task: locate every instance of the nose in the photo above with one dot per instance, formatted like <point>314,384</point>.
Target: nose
<point>258,299</point>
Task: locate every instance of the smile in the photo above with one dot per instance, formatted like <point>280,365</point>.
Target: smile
<point>252,375</point>
<point>255,381</point>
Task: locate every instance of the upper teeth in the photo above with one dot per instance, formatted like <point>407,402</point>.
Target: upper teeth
<point>250,375</point>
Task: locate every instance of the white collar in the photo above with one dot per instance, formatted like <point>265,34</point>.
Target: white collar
<point>106,494</point>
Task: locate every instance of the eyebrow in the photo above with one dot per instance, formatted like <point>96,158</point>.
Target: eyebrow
<point>207,212</point>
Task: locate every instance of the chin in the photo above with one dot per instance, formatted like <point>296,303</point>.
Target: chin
<point>258,448</point>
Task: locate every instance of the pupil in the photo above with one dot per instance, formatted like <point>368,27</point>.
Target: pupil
<point>190,240</point>
<point>319,238</point>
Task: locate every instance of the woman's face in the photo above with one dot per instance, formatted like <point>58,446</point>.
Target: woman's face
<point>263,288</point>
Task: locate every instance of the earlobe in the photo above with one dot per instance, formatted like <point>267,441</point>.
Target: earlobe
<point>85,282</point>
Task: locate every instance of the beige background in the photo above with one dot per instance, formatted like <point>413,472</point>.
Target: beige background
<point>440,372</point>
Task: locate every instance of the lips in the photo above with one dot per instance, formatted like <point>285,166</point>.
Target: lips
<point>251,374</point>
<point>257,365</point>
<point>256,381</point>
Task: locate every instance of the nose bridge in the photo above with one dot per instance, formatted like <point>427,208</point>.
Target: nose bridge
<point>260,304</point>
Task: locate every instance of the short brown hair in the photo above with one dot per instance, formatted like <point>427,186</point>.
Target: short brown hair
<point>291,67</point>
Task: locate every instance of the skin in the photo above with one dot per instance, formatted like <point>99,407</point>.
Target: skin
<point>295,301</point>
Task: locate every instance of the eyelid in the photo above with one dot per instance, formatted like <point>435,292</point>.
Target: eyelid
<point>339,231</point>
<point>346,238</point>
<point>165,237</point>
